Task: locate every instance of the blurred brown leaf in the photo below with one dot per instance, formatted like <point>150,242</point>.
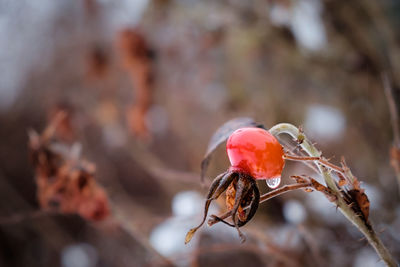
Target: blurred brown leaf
<point>136,57</point>
<point>64,182</point>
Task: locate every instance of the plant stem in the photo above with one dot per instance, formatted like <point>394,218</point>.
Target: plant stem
<point>347,211</point>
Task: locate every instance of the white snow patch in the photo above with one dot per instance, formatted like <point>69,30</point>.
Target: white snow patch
<point>79,255</point>
<point>294,211</point>
<point>325,123</point>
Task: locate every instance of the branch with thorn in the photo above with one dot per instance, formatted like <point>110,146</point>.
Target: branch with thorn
<point>351,201</point>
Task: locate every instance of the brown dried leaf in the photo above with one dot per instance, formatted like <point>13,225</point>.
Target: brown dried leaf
<point>361,200</point>
<point>357,198</point>
<point>137,61</point>
<point>65,183</point>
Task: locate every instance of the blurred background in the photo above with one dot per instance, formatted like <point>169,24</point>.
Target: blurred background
<point>142,86</point>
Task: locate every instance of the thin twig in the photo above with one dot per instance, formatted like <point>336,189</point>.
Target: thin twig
<point>394,118</point>
<point>20,217</point>
<point>319,160</point>
<point>283,189</point>
<point>312,244</point>
<point>290,152</point>
<point>158,169</point>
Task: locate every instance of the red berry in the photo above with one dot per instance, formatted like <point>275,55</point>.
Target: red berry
<point>257,152</point>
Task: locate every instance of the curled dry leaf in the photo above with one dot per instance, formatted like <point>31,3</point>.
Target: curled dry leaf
<point>359,202</point>
<point>65,183</point>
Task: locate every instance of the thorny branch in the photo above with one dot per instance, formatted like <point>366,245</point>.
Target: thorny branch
<point>351,201</point>
<point>342,188</point>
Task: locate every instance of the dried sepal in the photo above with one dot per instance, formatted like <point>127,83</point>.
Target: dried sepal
<point>242,200</point>
<point>218,186</point>
<point>257,199</point>
<point>230,201</point>
<point>190,235</point>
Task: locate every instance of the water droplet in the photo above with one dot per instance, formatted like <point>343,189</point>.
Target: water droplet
<point>273,182</point>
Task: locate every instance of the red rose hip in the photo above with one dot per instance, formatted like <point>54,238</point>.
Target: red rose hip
<point>257,152</point>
